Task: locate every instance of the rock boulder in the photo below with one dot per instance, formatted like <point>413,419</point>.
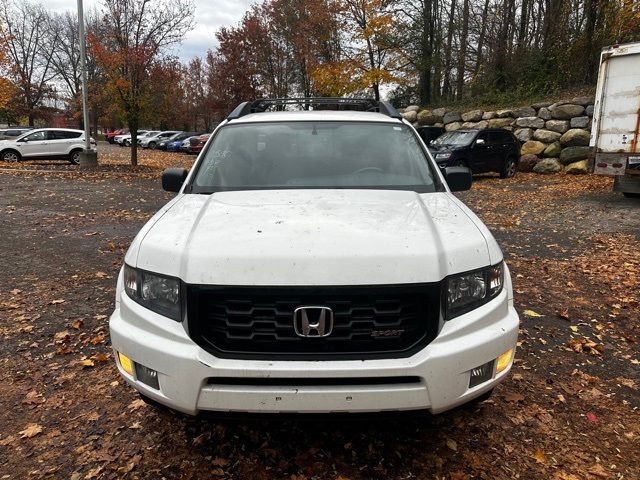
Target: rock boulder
<point>472,116</point>
<point>532,147</point>
<point>566,111</point>
<point>451,117</point>
<point>580,122</point>
<point>544,113</point>
<point>504,113</point>
<point>410,115</point>
<point>559,126</point>
<point>426,117</point>
<point>500,122</point>
<point>553,150</point>
<point>530,122</point>
<point>546,136</point>
<point>548,165</point>
<point>573,154</point>
<point>523,112</point>
<point>577,168</point>
<point>527,162</point>
<point>575,137</point>
<point>523,134</point>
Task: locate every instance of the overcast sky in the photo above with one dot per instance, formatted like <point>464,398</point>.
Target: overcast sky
<point>209,16</point>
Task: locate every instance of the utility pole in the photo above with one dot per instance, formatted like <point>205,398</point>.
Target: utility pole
<point>88,158</point>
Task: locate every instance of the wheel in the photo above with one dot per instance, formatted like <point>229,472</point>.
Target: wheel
<point>509,168</point>
<point>10,156</point>
<point>74,157</point>
<point>127,143</point>
<point>152,145</point>
<point>631,195</point>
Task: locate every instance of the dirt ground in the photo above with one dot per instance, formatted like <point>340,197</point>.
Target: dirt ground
<point>569,411</point>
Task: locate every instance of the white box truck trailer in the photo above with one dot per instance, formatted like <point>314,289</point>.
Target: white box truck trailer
<point>615,132</point>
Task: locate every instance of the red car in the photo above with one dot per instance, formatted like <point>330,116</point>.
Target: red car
<point>196,144</point>
<point>110,135</point>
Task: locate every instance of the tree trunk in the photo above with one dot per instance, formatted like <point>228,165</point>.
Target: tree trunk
<point>133,129</point>
<point>424,74</point>
<point>463,50</point>
<point>446,85</point>
<point>483,31</point>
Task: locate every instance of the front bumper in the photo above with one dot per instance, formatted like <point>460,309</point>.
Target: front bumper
<point>185,371</point>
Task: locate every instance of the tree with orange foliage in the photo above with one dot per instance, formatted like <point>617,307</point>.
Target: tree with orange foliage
<point>7,89</point>
<point>368,58</point>
<point>134,36</point>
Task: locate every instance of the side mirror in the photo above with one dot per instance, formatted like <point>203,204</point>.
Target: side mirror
<point>173,178</point>
<point>458,178</point>
<point>480,141</point>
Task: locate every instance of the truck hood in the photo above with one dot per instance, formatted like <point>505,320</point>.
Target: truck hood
<point>313,237</point>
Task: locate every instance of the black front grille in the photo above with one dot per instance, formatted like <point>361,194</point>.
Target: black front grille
<point>257,322</point>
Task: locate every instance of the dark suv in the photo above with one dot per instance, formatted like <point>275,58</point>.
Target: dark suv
<point>490,150</point>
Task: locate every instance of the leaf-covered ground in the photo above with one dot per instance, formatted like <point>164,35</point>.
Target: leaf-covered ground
<point>570,411</point>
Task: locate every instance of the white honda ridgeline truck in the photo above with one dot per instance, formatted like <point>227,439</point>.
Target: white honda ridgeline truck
<point>314,261</point>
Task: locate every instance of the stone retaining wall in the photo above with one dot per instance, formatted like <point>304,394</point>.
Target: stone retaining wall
<point>554,136</point>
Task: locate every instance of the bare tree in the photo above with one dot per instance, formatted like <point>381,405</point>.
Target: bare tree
<point>30,54</point>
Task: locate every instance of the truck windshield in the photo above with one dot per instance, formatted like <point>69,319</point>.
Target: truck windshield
<point>314,155</point>
<point>455,138</point>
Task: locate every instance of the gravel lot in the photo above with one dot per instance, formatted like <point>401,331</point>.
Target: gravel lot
<point>569,411</point>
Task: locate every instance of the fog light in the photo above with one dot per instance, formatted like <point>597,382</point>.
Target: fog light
<point>481,374</point>
<point>125,363</point>
<point>147,376</point>
<point>504,360</point>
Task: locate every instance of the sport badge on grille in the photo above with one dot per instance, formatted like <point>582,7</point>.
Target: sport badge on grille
<point>314,322</point>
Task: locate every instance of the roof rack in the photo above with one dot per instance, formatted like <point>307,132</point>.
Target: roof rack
<point>317,103</point>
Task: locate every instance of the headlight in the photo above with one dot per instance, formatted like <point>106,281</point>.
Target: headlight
<point>442,156</point>
<point>158,293</point>
<point>467,291</point>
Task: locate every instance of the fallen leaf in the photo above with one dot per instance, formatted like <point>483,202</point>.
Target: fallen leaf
<point>514,397</point>
<point>100,357</point>
<point>540,457</point>
<point>452,445</point>
<point>136,404</point>
<point>56,302</point>
<point>592,417</point>
<point>77,324</point>
<point>86,363</point>
<point>531,313</point>
<point>31,430</point>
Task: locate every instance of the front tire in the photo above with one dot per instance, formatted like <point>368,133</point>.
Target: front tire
<point>152,145</point>
<point>509,168</point>
<point>10,156</point>
<point>74,157</point>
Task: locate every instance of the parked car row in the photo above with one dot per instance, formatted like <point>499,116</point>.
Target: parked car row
<point>45,143</point>
<point>13,132</point>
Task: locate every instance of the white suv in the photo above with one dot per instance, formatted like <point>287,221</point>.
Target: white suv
<point>45,143</point>
<point>314,261</point>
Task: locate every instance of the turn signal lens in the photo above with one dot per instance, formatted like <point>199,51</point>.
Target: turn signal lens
<point>125,363</point>
<point>503,361</point>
